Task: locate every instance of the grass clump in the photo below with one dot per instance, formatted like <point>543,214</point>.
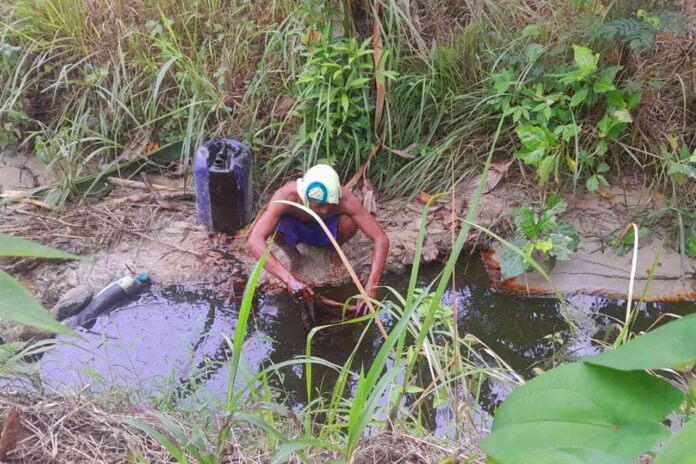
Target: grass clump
<point>397,90</point>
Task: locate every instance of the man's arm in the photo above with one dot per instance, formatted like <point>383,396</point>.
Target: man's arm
<point>256,244</point>
<point>380,243</point>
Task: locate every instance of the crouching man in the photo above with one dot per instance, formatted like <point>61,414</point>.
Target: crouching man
<point>320,190</point>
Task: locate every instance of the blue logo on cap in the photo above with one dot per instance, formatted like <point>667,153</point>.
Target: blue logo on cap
<point>322,187</point>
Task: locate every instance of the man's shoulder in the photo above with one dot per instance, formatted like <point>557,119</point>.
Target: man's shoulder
<point>349,202</point>
<point>287,192</point>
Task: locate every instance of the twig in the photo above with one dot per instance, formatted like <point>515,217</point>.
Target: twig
<point>140,185</point>
<point>433,384</point>
<point>139,197</point>
<point>28,201</point>
<point>156,194</point>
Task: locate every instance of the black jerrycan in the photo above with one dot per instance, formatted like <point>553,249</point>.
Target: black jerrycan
<point>222,172</point>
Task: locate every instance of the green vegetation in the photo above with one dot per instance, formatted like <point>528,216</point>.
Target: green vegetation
<point>16,303</point>
<point>546,114</point>
<point>419,96</point>
<point>606,408</point>
<point>539,232</point>
<point>87,87</point>
<point>336,422</point>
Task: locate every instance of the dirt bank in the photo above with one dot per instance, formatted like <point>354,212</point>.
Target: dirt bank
<point>599,267</point>
<point>136,230</point>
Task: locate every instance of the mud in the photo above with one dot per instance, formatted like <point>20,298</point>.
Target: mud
<point>168,244</point>
<point>20,171</point>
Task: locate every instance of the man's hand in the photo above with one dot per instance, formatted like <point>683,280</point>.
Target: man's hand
<point>362,307</point>
<point>299,289</point>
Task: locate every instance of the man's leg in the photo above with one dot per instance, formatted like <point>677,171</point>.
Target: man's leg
<point>290,251</point>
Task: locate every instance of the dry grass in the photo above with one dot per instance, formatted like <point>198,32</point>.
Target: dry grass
<point>670,108</point>
<point>392,448</point>
<point>92,228</point>
<point>74,429</point>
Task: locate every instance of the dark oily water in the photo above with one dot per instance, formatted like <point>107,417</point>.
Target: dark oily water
<point>170,344</point>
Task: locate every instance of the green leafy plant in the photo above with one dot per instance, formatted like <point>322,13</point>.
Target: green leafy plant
<point>679,160</point>
<point>607,408</point>
<point>16,303</point>
<point>639,32</point>
<point>539,232</point>
<point>691,246</point>
<point>623,243</point>
<point>334,91</point>
<point>547,115</point>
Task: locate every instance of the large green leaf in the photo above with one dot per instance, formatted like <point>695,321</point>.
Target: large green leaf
<point>622,116</point>
<point>16,304</point>
<point>526,221</point>
<point>15,246</point>
<point>579,97</point>
<point>682,448</point>
<point>511,263</point>
<point>534,136</point>
<point>672,346</point>
<point>562,246</point>
<point>547,167</point>
<point>531,157</point>
<point>570,456</point>
<point>605,83</point>
<point>580,405</point>
<point>586,60</point>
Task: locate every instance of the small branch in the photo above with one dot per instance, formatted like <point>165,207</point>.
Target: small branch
<point>117,181</point>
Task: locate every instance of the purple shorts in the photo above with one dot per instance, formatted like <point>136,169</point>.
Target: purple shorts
<point>296,231</point>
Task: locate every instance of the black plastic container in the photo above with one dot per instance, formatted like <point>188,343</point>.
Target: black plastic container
<point>222,171</point>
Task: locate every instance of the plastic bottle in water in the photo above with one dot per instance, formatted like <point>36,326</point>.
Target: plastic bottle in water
<point>109,296</point>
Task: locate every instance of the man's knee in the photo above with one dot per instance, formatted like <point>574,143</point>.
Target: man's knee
<point>346,229</point>
<point>279,239</point>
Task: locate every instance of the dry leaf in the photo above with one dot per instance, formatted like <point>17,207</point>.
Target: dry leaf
<point>424,197</point>
<point>379,66</point>
<point>151,147</point>
<point>11,430</point>
<point>406,152</point>
<point>369,201</point>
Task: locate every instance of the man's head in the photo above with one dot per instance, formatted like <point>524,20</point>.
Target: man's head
<point>320,188</point>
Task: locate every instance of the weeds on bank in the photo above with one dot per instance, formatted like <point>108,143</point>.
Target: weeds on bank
<point>539,232</point>
<point>286,76</point>
<point>547,111</point>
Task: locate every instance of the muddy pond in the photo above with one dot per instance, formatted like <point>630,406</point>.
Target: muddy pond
<point>170,342</point>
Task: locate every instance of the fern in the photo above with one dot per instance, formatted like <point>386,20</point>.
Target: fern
<point>638,33</point>
<point>632,33</point>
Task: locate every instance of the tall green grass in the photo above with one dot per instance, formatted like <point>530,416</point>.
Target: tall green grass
<point>113,81</point>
